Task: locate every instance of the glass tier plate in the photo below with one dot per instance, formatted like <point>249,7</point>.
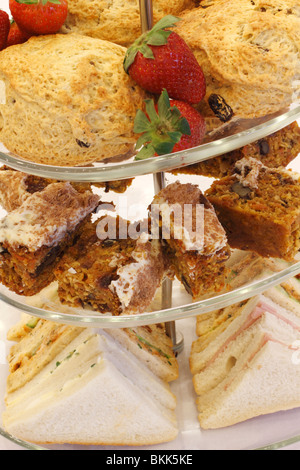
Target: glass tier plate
<point>47,305</point>
<point>261,274</point>
<point>228,137</point>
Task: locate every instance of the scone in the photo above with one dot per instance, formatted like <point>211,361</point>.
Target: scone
<point>118,20</point>
<point>248,50</point>
<point>67,100</point>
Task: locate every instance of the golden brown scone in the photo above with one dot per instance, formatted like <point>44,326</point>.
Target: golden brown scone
<point>118,20</point>
<point>67,100</point>
<point>249,51</point>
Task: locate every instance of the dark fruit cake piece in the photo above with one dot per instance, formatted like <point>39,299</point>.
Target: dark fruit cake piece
<point>16,187</point>
<point>274,151</point>
<point>117,275</point>
<point>118,186</point>
<point>34,236</point>
<point>259,208</point>
<point>195,244</point>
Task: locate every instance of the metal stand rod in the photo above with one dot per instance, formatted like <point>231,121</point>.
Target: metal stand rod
<point>146,14</point>
<point>167,285</point>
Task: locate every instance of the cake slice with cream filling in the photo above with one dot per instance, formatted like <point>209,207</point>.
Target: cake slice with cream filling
<point>193,238</point>
<point>34,236</point>
<point>114,274</point>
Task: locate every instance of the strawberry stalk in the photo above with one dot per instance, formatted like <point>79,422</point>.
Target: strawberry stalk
<point>162,127</point>
<point>157,36</point>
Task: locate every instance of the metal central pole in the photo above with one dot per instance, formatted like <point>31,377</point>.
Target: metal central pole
<point>146,14</point>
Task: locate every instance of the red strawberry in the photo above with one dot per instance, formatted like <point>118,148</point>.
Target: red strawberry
<point>36,17</point>
<point>15,35</point>
<point>167,127</point>
<point>4,29</point>
<point>161,59</point>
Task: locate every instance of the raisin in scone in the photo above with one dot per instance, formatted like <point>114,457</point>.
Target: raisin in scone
<point>117,20</point>
<point>67,100</point>
<point>248,50</point>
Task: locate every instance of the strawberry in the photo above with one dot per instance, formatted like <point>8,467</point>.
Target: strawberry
<point>36,17</point>
<point>15,35</point>
<point>160,59</point>
<point>168,127</point>
<point>4,29</point>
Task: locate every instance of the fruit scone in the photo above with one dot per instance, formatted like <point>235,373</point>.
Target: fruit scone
<point>248,50</point>
<point>34,236</point>
<point>67,100</point>
<point>259,208</point>
<point>193,238</point>
<point>275,150</point>
<point>111,273</point>
<point>118,20</point>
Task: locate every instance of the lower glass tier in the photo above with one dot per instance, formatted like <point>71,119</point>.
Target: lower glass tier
<point>271,431</point>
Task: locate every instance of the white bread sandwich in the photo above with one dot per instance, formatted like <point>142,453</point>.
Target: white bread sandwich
<point>94,392</point>
<point>246,266</point>
<point>267,382</point>
<point>244,363</point>
<point>37,343</point>
<point>286,294</point>
<point>150,344</point>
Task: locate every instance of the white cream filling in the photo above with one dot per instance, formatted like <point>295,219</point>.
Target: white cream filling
<point>124,286</point>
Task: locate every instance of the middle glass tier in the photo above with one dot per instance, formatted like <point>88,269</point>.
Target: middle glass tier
<point>266,274</point>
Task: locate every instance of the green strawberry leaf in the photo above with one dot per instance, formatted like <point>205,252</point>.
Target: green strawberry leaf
<point>142,140</point>
<point>146,51</point>
<point>184,127</point>
<point>175,136</point>
<point>161,129</point>
<point>166,22</point>
<point>141,122</point>
<point>164,148</point>
<point>150,110</point>
<point>147,151</point>
<point>164,106</point>
<point>157,36</point>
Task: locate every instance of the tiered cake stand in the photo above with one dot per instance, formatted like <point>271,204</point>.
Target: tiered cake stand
<point>173,303</point>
